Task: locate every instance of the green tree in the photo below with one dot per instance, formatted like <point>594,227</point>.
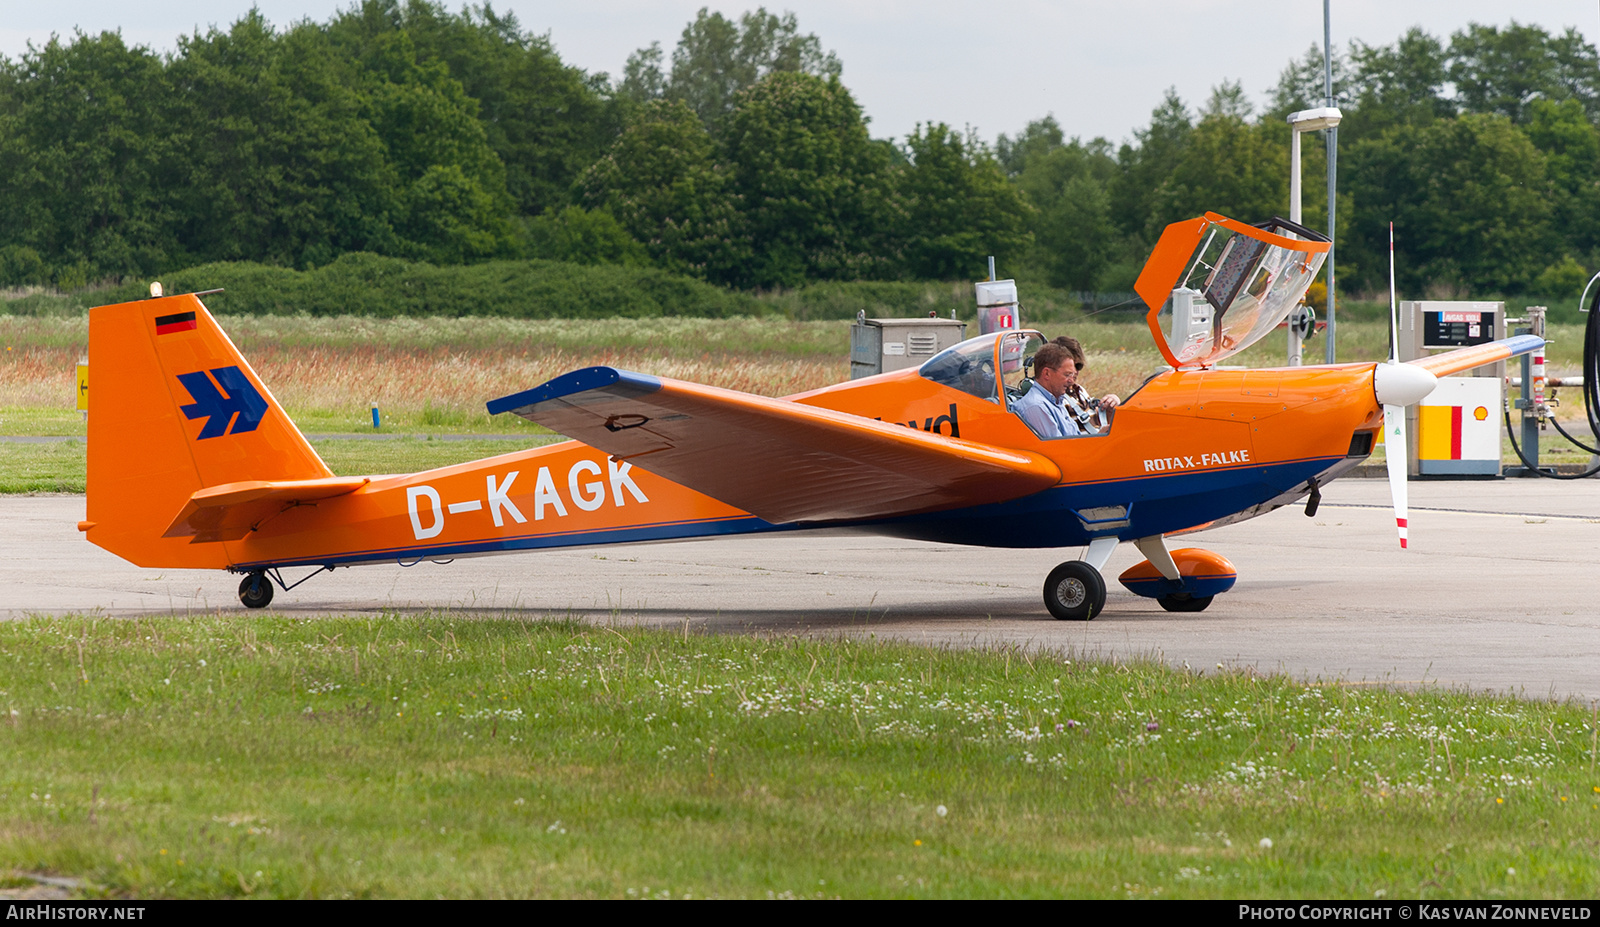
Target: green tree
<point>1469,199</point>
<point>1303,84</point>
<point>1397,84</point>
<point>277,160</point>
<point>717,58</point>
<point>644,77</point>
<point>546,121</point>
<point>1147,165</point>
<point>84,185</point>
<point>813,188</point>
<point>1229,165</point>
<point>957,207</point>
<point>1075,236</point>
<point>663,183</point>
<point>20,265</point>
<point>1504,70</point>
<point>451,184</point>
<point>582,236</point>
<point>1570,144</point>
<point>1037,139</point>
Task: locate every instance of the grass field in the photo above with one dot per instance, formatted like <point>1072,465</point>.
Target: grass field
<point>439,756</point>
<point>433,376</point>
<point>61,466</point>
<point>436,756</point>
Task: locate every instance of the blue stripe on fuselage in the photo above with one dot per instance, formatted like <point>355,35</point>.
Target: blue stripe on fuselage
<point>1159,504</point>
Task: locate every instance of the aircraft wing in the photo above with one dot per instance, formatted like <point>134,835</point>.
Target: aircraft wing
<point>232,510</point>
<point>782,461</point>
<point>1463,359</point>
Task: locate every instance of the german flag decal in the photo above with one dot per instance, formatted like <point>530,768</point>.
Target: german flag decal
<point>170,324</point>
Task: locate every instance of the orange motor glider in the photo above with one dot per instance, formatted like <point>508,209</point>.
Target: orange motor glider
<point>194,464</point>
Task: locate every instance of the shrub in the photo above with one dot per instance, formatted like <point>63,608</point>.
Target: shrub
<point>370,285</point>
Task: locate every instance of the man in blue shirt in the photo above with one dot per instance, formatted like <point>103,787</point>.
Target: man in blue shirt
<point>1044,407</point>
<point>1040,406</point>
<point>1092,415</point>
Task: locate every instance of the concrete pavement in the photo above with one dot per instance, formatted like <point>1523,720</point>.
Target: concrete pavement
<point>1497,591</point>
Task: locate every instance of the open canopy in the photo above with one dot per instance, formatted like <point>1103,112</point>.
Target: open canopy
<point>1215,286</point>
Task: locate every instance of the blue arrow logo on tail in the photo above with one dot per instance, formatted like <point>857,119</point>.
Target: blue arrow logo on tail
<point>218,409</point>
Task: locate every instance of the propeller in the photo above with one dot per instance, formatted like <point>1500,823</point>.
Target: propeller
<point>1396,386</point>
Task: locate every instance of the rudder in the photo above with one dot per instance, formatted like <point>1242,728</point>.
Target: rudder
<point>175,409</point>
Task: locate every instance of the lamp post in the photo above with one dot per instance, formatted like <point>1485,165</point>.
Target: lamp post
<point>1308,120</point>
<point>1329,344</point>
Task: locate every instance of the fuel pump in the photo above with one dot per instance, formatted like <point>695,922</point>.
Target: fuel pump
<point>1452,433</point>
<point>1537,407</point>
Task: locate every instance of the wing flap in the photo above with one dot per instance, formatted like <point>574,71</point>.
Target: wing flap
<point>232,510</point>
<point>1464,359</point>
<point>780,460</point>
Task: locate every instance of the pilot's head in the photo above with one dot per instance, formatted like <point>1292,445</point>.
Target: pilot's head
<point>1054,368</point>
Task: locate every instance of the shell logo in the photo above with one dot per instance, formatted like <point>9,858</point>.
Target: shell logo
<point>1480,413</point>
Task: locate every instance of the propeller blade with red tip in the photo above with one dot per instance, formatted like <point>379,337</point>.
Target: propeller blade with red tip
<point>1396,450</point>
<point>1394,439</point>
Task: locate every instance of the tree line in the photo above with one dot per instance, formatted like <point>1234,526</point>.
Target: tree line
<point>403,129</point>
<point>1483,151</point>
<point>410,131</point>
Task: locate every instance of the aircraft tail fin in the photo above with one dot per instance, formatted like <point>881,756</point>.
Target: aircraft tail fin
<point>175,408</point>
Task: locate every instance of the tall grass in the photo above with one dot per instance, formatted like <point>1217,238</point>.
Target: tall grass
<point>439,372</point>
<point>447,382</point>
<point>451,366</point>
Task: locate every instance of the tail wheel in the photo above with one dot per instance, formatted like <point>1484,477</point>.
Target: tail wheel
<point>256,591</point>
<point>1075,591</point>
<point>1184,602</point>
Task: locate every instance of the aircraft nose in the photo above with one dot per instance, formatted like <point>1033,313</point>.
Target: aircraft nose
<point>1401,384</point>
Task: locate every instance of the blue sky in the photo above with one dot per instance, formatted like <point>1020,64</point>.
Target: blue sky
<point>1100,67</point>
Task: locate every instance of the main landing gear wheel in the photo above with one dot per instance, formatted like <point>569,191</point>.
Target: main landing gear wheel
<point>1184,602</point>
<point>1075,591</point>
<point>256,591</point>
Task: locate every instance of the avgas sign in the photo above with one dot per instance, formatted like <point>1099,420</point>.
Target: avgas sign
<point>588,486</point>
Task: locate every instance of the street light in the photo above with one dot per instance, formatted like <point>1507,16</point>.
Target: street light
<point>1307,120</point>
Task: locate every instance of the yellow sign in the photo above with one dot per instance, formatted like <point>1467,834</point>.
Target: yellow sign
<point>83,387</point>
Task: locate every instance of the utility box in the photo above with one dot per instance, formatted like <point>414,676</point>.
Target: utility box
<point>997,306</point>
<point>1455,431</point>
<point>881,345</point>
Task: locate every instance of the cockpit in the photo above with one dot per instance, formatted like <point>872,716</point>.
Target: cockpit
<point>996,368</point>
<point>1214,286</point>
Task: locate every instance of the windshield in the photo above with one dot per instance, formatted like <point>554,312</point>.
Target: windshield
<point>969,367</point>
<point>1217,286</point>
